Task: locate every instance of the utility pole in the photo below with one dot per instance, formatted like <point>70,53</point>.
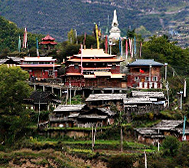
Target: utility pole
<point>181,92</point>
<point>166,64</point>
<point>70,92</point>
<point>184,87</point>
<point>167,88</point>
<point>39,110</point>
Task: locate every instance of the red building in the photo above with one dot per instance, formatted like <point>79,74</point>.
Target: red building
<point>48,42</point>
<point>144,73</point>
<point>93,68</point>
<point>40,67</point>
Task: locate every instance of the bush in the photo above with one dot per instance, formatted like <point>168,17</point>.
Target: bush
<point>120,161</point>
<point>171,145</point>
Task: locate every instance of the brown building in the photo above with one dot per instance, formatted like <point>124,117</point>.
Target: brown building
<point>144,73</point>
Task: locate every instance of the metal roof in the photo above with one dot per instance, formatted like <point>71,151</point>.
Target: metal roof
<point>100,97</point>
<point>70,108</point>
<point>145,62</point>
<point>148,94</point>
<point>136,100</point>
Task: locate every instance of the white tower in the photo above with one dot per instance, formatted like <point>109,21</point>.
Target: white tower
<point>114,31</point>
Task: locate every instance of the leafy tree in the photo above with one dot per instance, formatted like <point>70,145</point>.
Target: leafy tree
<point>13,89</point>
<point>171,145</point>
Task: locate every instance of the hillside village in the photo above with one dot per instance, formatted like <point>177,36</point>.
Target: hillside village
<point>121,98</point>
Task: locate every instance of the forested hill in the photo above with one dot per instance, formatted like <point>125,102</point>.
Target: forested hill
<point>9,34</point>
<point>58,17</point>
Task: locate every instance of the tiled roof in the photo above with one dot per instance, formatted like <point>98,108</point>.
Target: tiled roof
<point>95,60</point>
<point>48,37</point>
<point>168,124</point>
<point>145,62</point>
<point>48,42</point>
<point>93,53</point>
<point>39,59</point>
<point>39,65</point>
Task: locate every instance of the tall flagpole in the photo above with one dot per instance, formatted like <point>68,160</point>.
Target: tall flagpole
<point>126,49</point>
<point>25,39</point>
<point>81,59</point>
<point>97,39</point>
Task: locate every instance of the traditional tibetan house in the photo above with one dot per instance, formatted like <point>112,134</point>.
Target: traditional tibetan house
<point>105,100</point>
<point>10,61</point>
<point>65,115</point>
<point>80,116</point>
<point>94,68</point>
<point>96,117</point>
<point>41,101</point>
<point>159,131</point>
<point>40,67</point>
<point>144,73</point>
<point>48,42</point>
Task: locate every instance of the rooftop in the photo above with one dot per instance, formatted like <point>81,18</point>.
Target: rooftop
<point>70,108</point>
<point>39,59</point>
<point>100,97</point>
<point>148,94</point>
<point>145,62</point>
<point>93,53</point>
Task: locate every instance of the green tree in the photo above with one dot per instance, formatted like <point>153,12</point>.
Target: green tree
<point>13,89</point>
<point>171,145</point>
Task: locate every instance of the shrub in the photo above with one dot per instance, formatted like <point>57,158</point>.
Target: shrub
<point>120,161</point>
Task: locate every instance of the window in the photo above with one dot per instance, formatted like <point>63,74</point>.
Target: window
<point>136,78</point>
<point>76,67</point>
<point>50,73</point>
<point>155,78</point>
<point>146,78</point>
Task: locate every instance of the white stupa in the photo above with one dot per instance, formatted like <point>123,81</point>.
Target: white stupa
<point>114,31</point>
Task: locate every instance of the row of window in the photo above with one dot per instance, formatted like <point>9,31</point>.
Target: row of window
<point>154,78</point>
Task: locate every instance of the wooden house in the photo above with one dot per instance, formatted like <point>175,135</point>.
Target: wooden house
<point>80,116</point>
<point>96,117</point>
<point>93,68</point>
<point>64,115</point>
<point>105,100</point>
<point>40,67</point>
<point>159,131</point>
<point>41,100</point>
<point>10,61</point>
<point>144,73</point>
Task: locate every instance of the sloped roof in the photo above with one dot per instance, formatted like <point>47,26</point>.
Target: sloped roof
<point>44,97</point>
<point>145,62</point>
<point>148,94</point>
<point>48,37</point>
<point>94,53</point>
<point>107,111</point>
<point>100,97</point>
<point>168,124</point>
<point>2,61</point>
<point>70,108</point>
<point>39,59</point>
<point>136,100</point>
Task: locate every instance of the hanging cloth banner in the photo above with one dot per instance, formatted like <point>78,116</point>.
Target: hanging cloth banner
<point>97,38</point>
<point>106,44</point>
<point>25,39</point>
<point>19,43</point>
<point>126,48</point>
<point>140,49</point>
<point>37,47</point>
<point>135,46</point>
<point>130,46</point>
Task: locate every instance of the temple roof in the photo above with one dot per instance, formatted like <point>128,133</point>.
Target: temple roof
<point>93,53</point>
<point>95,60</point>
<point>48,42</point>
<point>39,65</point>
<point>46,59</point>
<point>48,37</point>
